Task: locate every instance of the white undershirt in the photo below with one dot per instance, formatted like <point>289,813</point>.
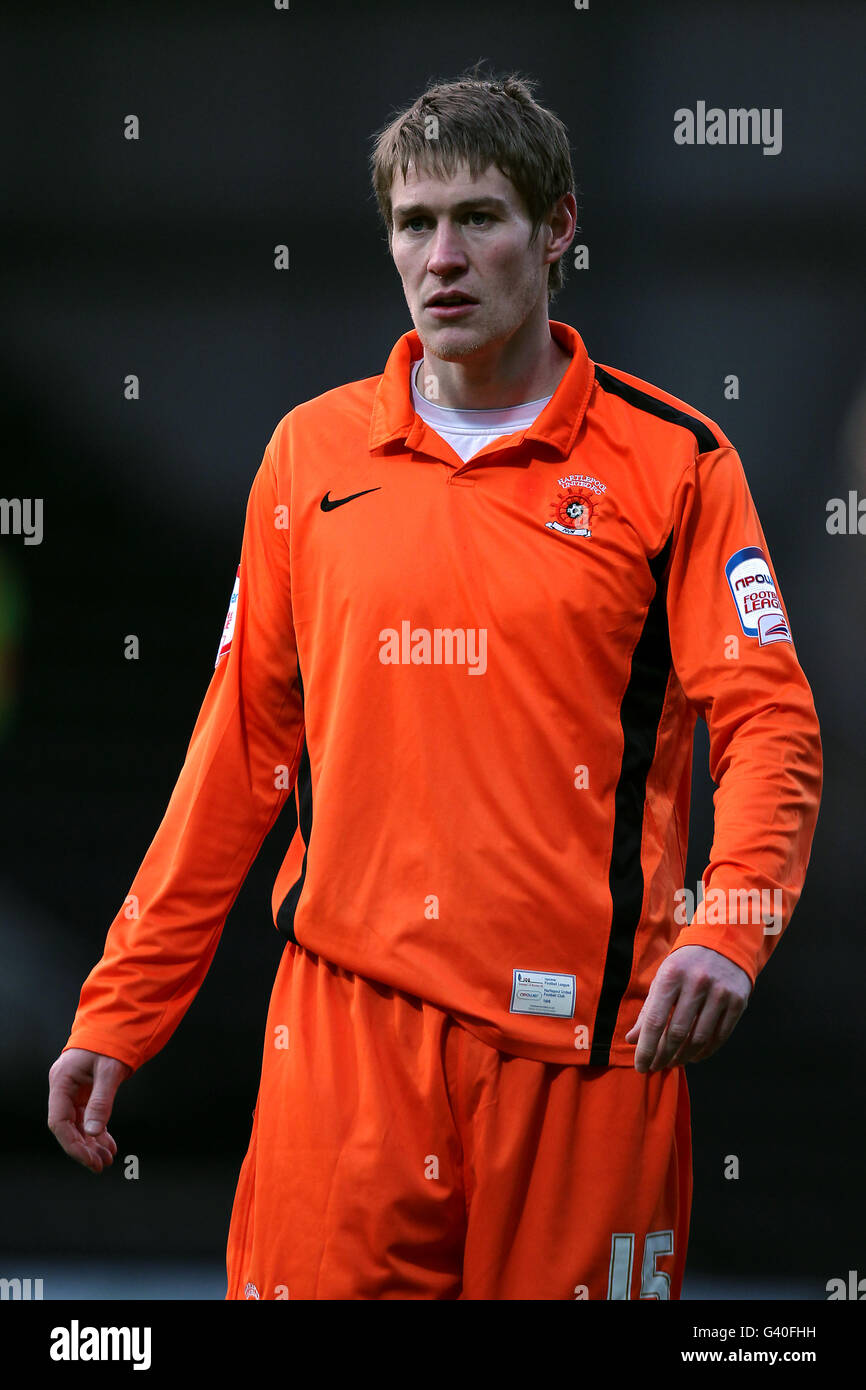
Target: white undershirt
<point>467,431</point>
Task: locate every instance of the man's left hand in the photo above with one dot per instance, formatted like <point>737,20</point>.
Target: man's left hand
<point>707,993</point>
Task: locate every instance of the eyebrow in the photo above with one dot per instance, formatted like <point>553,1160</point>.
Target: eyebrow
<point>485,200</point>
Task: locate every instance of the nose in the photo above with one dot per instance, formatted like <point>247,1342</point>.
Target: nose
<point>446,251</point>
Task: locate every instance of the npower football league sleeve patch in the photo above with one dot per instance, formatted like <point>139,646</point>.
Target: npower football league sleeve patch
<point>758,604</point>
<point>229,627</point>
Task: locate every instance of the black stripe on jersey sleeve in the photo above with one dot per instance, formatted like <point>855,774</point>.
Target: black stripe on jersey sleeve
<point>304,799</point>
<point>643,401</point>
<point>640,715</point>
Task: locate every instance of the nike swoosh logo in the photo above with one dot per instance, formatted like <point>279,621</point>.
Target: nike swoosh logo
<point>328,505</point>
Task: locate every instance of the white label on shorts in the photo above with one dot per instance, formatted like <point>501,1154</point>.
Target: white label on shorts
<point>539,992</point>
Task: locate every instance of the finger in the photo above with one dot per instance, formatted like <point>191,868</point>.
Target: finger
<point>725,1026</point>
<point>651,1031</point>
<point>73,1143</point>
<point>679,1027</point>
<point>704,1029</point>
<point>657,1006</point>
<point>97,1155</point>
<point>64,1118</point>
<point>66,1122</point>
<point>101,1144</point>
<point>91,1151</point>
<point>672,1058</point>
<point>62,1099</point>
<point>657,1039</point>
<point>634,1031</point>
<point>671,1043</point>
<point>97,1146</point>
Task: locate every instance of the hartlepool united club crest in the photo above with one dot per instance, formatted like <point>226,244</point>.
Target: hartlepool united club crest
<point>574,507</point>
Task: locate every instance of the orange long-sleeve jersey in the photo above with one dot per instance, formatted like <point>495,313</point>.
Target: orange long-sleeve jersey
<point>479,683</point>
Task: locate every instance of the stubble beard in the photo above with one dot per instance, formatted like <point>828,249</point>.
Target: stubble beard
<point>521,303</point>
<point>453,349</point>
<point>453,352</point>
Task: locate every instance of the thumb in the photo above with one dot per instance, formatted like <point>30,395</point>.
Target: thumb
<point>98,1111</point>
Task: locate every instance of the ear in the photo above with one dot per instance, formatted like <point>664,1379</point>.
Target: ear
<point>562,219</point>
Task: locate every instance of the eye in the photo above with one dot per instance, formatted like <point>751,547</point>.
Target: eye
<point>412,224</point>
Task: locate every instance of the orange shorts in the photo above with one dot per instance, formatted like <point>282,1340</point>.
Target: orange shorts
<point>394,1155</point>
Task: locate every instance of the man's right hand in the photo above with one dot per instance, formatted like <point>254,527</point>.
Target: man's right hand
<point>82,1087</point>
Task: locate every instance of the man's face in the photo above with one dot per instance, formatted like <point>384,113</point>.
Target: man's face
<point>469,237</point>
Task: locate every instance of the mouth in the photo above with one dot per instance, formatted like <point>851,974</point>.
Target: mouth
<point>450,304</point>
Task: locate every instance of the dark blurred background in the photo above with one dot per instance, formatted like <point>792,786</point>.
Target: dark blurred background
<point>155,257</point>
